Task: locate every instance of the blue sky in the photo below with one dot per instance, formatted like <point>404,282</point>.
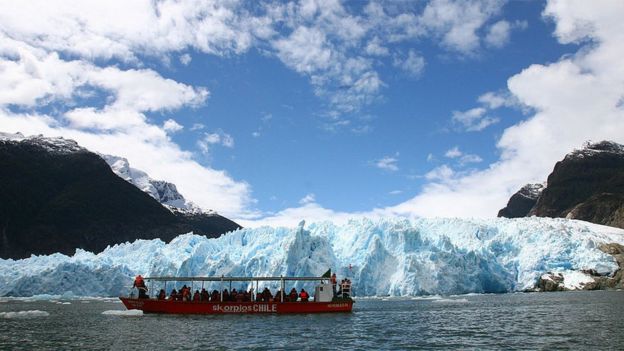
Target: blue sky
<point>274,112</point>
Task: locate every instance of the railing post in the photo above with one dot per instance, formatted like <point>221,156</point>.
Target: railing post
<point>282,287</point>
<point>221,287</point>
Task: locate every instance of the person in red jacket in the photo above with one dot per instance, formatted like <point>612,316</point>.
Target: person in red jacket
<point>139,283</point>
<point>304,295</point>
<point>293,295</point>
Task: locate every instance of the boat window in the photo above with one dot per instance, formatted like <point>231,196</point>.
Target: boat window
<point>321,288</point>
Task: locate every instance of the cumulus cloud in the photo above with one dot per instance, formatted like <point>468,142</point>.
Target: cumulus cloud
<point>216,138</point>
<point>457,22</point>
<point>388,163</point>
<point>413,64</point>
<point>441,173</point>
<point>172,126</point>
<point>473,120</point>
<point>453,153</point>
<point>309,198</point>
<point>498,34</point>
<point>185,59</point>
<point>461,157</point>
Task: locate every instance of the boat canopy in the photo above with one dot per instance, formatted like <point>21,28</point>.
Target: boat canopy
<point>233,279</point>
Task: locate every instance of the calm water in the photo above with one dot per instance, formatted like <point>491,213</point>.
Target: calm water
<point>573,320</point>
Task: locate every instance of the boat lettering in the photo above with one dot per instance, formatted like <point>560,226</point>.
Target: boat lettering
<point>338,305</point>
<point>267,308</point>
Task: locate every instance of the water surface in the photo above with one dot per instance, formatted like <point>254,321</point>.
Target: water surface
<point>571,320</point>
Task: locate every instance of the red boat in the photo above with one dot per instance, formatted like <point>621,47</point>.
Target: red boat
<point>323,301</point>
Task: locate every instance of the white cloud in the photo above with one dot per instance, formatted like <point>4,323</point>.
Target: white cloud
<point>388,163</point>
<point>473,120</point>
<point>457,22</point>
<point>330,43</point>
<point>172,126</point>
<point>197,126</point>
<point>413,64</point>
<point>453,153</point>
<point>498,34</point>
<point>216,138</point>
<point>494,100</point>
<point>185,59</point>
<point>463,158</point>
<point>470,158</point>
<point>102,30</point>
<point>441,173</point>
<point>375,48</point>
<point>309,198</point>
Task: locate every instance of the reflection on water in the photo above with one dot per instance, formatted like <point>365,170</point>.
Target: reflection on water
<point>578,320</point>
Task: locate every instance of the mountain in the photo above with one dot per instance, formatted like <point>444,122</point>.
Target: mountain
<point>164,192</point>
<point>382,257</point>
<point>56,196</point>
<point>588,184</point>
<point>521,203</point>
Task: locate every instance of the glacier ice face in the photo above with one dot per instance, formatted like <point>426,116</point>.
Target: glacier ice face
<point>382,257</point>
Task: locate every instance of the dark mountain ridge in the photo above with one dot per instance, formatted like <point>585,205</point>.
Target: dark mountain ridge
<point>56,196</point>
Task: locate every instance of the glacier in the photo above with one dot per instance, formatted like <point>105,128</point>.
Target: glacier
<point>391,256</point>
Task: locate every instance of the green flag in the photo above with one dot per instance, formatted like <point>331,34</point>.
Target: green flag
<point>327,274</point>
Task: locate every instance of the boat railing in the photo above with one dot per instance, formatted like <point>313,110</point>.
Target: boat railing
<point>223,279</point>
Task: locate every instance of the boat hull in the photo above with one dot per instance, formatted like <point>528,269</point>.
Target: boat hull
<point>190,307</point>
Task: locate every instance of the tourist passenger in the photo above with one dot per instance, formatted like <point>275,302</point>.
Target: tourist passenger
<point>304,295</point>
<point>278,296</point>
<point>204,295</point>
<point>196,296</point>
<point>266,295</point>
<point>139,283</point>
<point>334,281</point>
<point>226,295</point>
<point>215,296</point>
<point>162,294</point>
<point>293,295</point>
<point>233,294</point>
<point>173,295</point>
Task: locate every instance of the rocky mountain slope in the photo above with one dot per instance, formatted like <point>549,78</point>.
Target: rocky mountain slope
<point>588,184</point>
<point>56,196</point>
<point>164,192</point>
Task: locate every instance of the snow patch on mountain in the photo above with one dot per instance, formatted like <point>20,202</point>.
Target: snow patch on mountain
<point>592,149</point>
<point>382,257</point>
<point>52,145</point>
<point>164,192</point>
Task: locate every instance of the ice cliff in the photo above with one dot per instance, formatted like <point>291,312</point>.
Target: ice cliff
<point>382,257</point>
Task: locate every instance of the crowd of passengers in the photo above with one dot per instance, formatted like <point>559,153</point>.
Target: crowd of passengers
<point>233,296</point>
